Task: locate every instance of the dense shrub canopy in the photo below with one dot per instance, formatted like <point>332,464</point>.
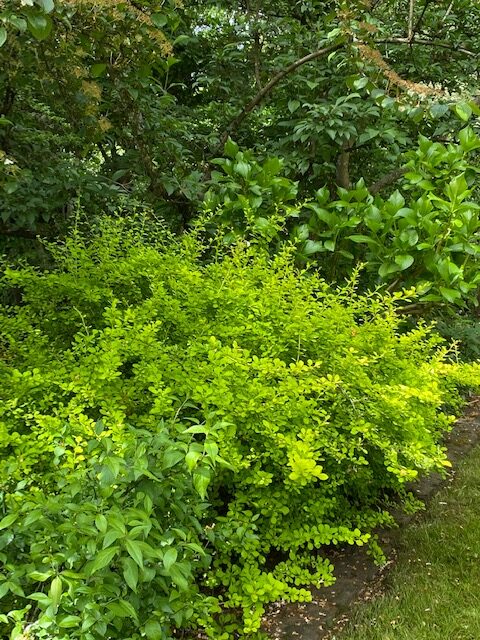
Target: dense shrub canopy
<point>184,429</point>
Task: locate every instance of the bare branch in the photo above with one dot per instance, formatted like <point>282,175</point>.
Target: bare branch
<point>448,11</point>
<point>411,13</point>
<point>428,43</point>
<point>418,25</point>
<point>387,180</point>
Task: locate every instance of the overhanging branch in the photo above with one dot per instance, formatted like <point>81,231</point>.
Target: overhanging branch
<point>427,43</point>
<point>263,93</point>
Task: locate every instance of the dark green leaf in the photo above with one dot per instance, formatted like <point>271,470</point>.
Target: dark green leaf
<point>102,559</point>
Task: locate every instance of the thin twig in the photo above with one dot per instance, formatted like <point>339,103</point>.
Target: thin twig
<point>449,10</point>
<point>428,43</point>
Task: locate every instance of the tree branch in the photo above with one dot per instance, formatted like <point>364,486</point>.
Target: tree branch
<point>448,11</point>
<point>427,43</point>
<point>343,166</point>
<point>387,180</point>
<point>411,13</point>
<point>422,15</point>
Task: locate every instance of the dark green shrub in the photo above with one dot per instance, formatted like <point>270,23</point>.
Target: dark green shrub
<point>425,235</point>
<point>465,330</point>
<point>316,399</point>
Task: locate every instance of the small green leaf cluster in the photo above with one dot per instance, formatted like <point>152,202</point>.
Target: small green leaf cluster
<point>247,194</point>
<point>109,546</point>
<point>181,440</point>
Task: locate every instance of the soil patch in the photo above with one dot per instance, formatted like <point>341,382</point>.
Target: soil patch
<point>357,577</point>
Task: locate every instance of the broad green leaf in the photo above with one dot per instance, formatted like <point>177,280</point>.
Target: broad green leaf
<point>4,589</point>
<point>55,592</point>
<point>130,573</point>
<point>178,578</point>
<point>110,537</point>
<point>192,458</point>
<point>361,83</point>
<point>116,521</point>
<point>123,609</point>
<point>179,40</point>
<point>361,239</point>
<point>101,560</point>
<point>47,5</point>
<point>242,168</point>
<point>39,25</point>
<point>293,105</point>
<point>40,576</point>
<point>312,246</point>
<point>463,111</point>
<point>7,521</point>
<point>98,69</point>
<point>171,457</point>
<point>101,523</point>
<point>201,480</point>
<point>153,630</point>
<point>169,558</point>
<point>404,261</point>
<point>134,551</point>
<point>40,597</point>
<point>231,148</point>
<point>438,110</point>
<point>3,35</point>
<point>69,622</point>
<point>451,295</point>
<point>387,268</point>
<point>159,19</point>
<point>469,139</point>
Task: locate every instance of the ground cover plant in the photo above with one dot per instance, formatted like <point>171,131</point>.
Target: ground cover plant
<point>432,594</point>
<point>186,429</point>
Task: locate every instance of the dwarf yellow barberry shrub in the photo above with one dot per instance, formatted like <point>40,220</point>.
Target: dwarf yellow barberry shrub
<point>183,436</point>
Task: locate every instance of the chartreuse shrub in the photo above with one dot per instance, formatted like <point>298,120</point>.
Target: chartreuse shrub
<point>181,439</point>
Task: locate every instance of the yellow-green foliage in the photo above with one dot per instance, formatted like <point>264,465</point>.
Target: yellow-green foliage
<point>137,377</point>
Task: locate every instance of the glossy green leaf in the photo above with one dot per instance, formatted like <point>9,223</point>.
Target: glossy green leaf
<point>134,550</point>
<point>130,573</point>
<point>101,560</point>
<point>153,630</point>
<point>404,261</point>
<point>7,521</point>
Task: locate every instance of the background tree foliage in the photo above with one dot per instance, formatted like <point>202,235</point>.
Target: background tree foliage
<point>113,102</point>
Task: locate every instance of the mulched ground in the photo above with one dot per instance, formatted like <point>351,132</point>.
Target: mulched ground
<point>357,577</point>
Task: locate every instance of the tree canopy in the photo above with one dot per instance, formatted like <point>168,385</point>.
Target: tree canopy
<point>105,103</point>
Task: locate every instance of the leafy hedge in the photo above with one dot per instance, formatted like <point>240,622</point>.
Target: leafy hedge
<point>182,438</point>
